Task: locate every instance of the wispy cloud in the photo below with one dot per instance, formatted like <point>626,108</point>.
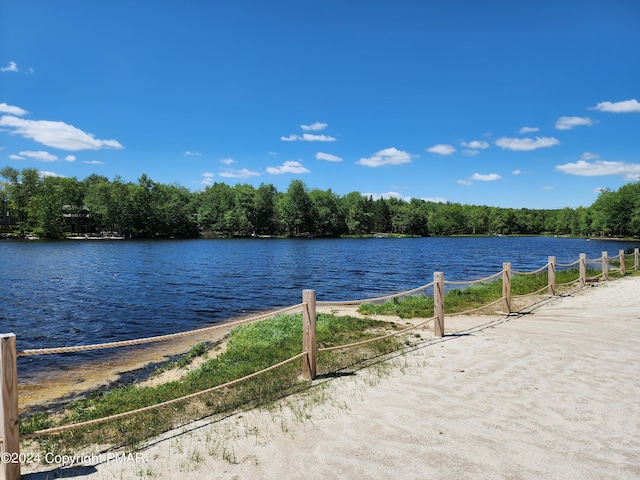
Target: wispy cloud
<point>228,161</point>
<point>314,127</point>
<point>39,156</point>
<point>308,137</point>
<point>288,167</point>
<point>12,67</point>
<point>10,109</point>
<point>328,157</point>
<point>242,173</point>
<point>44,174</point>
<point>441,149</point>
<point>626,106</point>
<point>526,144</point>
<point>56,134</point>
<point>529,130</point>
<point>489,177</point>
<point>476,144</point>
<point>93,162</point>
<point>598,168</point>
<point>547,187</point>
<point>435,199</point>
<point>207,179</point>
<point>70,158</point>
<point>479,177</point>
<point>387,156</point>
<point>192,154</point>
<point>568,123</point>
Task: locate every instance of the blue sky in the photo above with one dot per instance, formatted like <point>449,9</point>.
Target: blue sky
<point>502,103</point>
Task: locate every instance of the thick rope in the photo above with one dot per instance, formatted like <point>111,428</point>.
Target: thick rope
<point>546,287</point>
<point>466,312</point>
<point>370,340</point>
<point>568,264</point>
<point>374,300</point>
<point>515,272</point>
<point>140,341</point>
<point>447,282</point>
<point>119,416</point>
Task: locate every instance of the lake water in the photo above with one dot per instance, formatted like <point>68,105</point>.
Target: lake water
<point>82,292</point>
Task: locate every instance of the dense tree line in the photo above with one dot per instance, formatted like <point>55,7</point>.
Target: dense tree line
<point>53,207</point>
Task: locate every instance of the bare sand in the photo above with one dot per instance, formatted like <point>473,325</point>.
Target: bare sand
<point>554,393</point>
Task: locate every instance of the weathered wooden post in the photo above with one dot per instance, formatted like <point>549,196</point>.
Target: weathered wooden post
<point>552,275</point>
<point>309,334</point>
<point>623,267</point>
<point>605,266</point>
<point>636,257</point>
<point>438,303</point>
<point>10,448</point>
<point>506,287</point>
<point>583,269</point>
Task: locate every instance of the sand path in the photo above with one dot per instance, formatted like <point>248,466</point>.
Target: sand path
<point>551,394</point>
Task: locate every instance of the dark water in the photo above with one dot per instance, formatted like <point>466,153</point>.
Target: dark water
<point>82,292</point>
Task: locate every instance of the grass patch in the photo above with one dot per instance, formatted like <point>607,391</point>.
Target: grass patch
<point>475,296</point>
<point>250,348</point>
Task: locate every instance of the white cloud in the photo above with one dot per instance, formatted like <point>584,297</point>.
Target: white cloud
<point>441,149</point>
<point>583,168</point>
<point>56,134</point>
<point>548,187</point>
<point>490,177</point>
<point>10,109</point>
<point>328,157</point>
<point>13,156</point>
<point>308,137</point>
<point>476,144</point>
<point>315,127</point>
<point>517,172</point>
<point>387,156</point>
<point>288,167</point>
<point>192,154</point>
<point>207,179</point>
<point>529,130</point>
<point>242,173</point>
<point>12,67</point>
<point>228,161</point>
<point>70,158</point>
<point>589,156</point>
<point>39,155</point>
<point>470,153</point>
<point>526,144</point>
<point>479,177</point>
<point>567,123</point>
<point>626,106</point>
<point>93,162</point>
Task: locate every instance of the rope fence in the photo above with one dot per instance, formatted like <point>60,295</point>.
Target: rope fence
<point>9,432</point>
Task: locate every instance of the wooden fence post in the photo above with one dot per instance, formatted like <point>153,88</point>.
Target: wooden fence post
<point>552,275</point>
<point>622,265</point>
<point>636,256</point>
<point>605,266</point>
<point>9,470</point>
<point>438,304</point>
<point>309,334</point>
<point>583,269</point>
<point>506,287</point>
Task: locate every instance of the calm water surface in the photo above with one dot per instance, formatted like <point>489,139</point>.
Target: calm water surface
<point>83,292</point>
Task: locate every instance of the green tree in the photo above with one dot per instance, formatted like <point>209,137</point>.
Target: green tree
<point>21,187</point>
<point>296,209</point>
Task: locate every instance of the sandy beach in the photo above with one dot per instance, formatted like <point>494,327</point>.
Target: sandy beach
<point>553,393</point>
